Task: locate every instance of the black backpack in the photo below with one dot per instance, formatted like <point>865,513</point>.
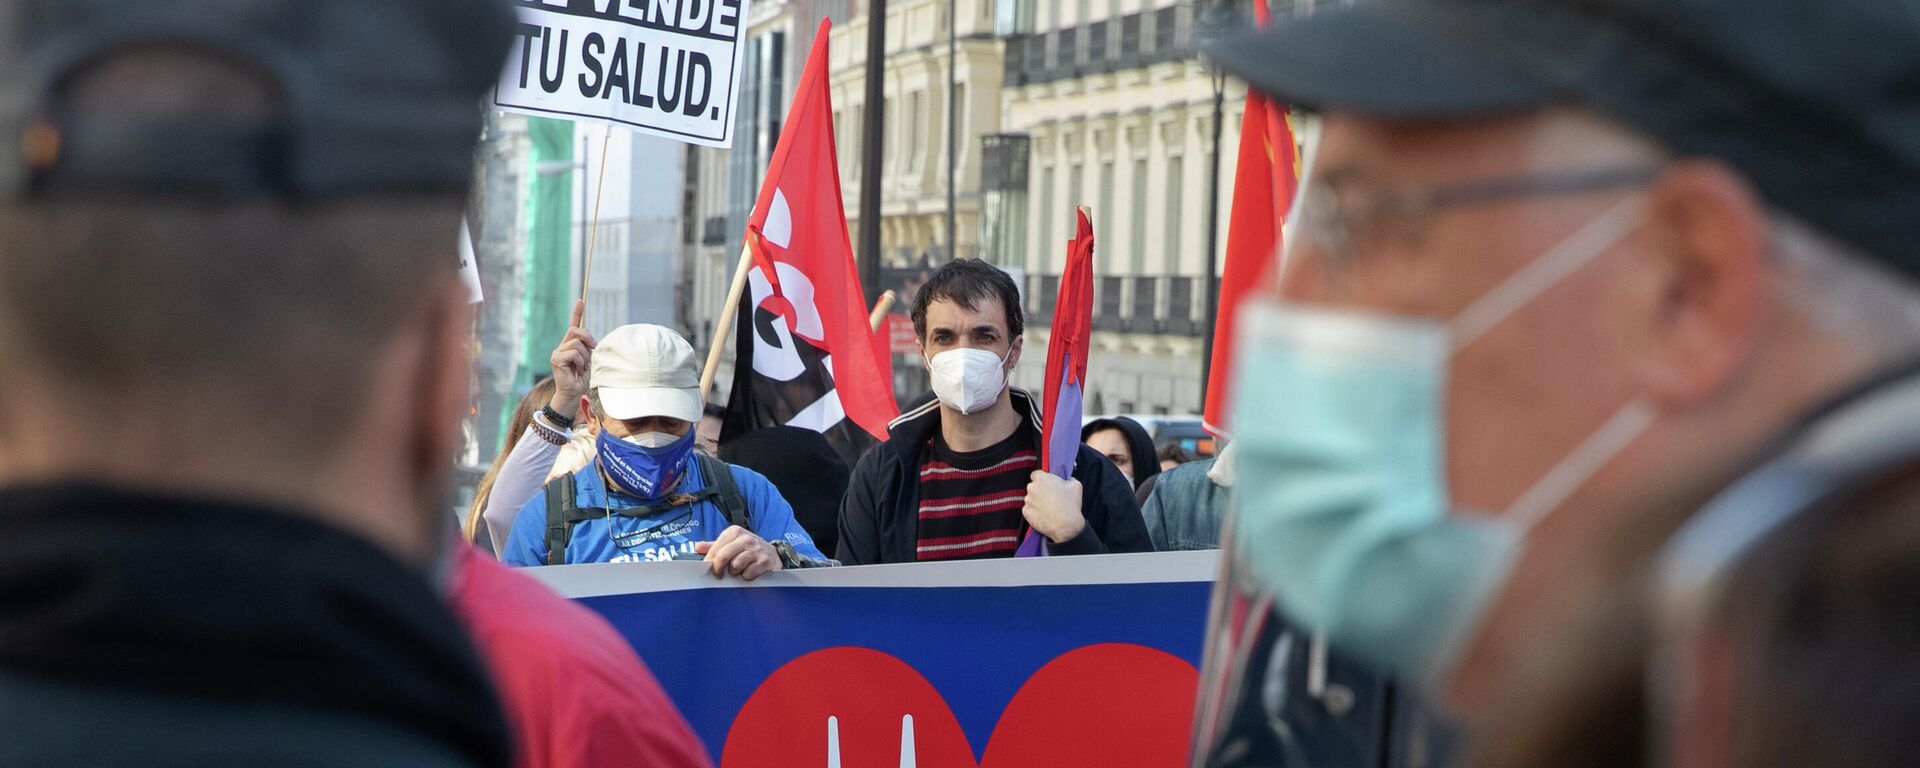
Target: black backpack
<point>563,513</point>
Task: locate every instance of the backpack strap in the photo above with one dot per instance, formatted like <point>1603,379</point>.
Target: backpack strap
<point>719,476</point>
<point>560,522</point>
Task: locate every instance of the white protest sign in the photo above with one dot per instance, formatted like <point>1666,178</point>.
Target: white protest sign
<point>663,67</point>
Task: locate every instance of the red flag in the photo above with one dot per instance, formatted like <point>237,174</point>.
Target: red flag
<point>1264,182</point>
<point>1067,365</point>
<point>803,264</point>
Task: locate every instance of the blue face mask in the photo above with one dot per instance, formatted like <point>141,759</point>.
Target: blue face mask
<point>640,470</point>
<point>1341,505</point>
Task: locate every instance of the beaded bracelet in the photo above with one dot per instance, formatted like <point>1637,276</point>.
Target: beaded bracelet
<point>555,417</point>
<point>547,433</point>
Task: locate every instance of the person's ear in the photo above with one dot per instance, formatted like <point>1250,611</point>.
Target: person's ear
<point>441,388</point>
<point>1013,354</point>
<point>1707,280</point>
<point>586,410</point>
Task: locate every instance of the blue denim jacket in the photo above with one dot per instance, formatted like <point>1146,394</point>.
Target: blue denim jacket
<point>1185,509</point>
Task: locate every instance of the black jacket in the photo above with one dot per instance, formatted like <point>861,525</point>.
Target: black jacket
<point>879,519</point>
<point>804,467</point>
<point>155,631</point>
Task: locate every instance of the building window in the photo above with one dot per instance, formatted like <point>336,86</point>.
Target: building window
<point>1046,202</point>
<point>1103,212</point>
<point>961,130</point>
<point>1076,194</point>
<point>1137,223</point>
<point>1175,171</point>
<point>892,117</point>
<point>856,136</point>
<point>916,130</point>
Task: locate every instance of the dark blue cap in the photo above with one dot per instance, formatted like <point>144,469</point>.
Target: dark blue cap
<point>1817,103</point>
<point>371,96</point>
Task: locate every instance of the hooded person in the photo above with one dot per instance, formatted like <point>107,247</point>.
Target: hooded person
<point>1125,443</point>
<point>647,495</point>
<point>806,469</point>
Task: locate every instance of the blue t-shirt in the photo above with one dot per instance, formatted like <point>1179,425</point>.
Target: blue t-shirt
<point>656,537</point>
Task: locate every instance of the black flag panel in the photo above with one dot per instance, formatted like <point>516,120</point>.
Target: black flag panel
<point>780,379</point>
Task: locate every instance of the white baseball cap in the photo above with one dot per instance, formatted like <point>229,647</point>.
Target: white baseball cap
<point>645,370</point>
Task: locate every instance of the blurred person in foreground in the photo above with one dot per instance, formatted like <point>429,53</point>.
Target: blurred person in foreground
<point>959,476</point>
<point>647,496</point>
<point>1560,273</point>
<point>1126,445</point>
<point>226,250</point>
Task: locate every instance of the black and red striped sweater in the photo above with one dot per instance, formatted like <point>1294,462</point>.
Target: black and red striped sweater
<point>881,519</point>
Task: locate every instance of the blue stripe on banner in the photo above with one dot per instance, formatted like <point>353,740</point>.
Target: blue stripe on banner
<point>711,648</point>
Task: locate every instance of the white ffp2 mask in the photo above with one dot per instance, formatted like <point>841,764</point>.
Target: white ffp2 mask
<point>968,380</point>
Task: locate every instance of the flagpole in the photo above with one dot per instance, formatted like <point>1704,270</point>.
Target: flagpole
<point>724,325</point>
<point>1213,231</point>
<point>593,229</point>
<point>872,128</point>
<point>880,310</point>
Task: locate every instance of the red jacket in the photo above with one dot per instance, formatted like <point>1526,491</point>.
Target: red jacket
<point>576,694</point>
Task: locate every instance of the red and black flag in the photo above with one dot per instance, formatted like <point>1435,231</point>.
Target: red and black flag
<point>805,355</point>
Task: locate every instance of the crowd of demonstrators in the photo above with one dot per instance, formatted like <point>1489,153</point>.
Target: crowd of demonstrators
<point>959,476</point>
<point>252,570</point>
<point>1126,445</point>
<point>804,468</point>
<point>473,527</point>
<point>1562,276</point>
<point>646,496</point>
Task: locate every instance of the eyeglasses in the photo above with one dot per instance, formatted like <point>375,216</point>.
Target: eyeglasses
<point>1347,220</point>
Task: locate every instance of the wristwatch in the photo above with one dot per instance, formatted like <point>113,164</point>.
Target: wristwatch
<point>788,557</point>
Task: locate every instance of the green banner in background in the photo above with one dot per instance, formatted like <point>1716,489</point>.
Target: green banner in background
<point>549,253</point>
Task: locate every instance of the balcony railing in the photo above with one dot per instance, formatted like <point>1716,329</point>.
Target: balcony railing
<point>1145,39</point>
<point>1162,304</point>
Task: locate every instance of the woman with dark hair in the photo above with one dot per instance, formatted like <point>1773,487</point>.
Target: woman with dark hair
<point>1125,443</point>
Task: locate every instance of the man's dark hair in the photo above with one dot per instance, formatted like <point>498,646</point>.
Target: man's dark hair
<point>965,282</point>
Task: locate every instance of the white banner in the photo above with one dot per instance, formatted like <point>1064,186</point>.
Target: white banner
<point>668,68</point>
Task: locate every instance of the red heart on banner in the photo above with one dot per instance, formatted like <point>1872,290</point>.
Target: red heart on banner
<point>1102,705</point>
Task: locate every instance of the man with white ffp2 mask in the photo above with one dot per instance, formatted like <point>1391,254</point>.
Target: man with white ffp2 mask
<point>647,496</point>
<point>959,476</point>
<point>1553,286</point>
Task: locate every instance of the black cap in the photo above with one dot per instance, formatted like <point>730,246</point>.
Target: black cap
<point>1816,101</point>
<point>371,96</point>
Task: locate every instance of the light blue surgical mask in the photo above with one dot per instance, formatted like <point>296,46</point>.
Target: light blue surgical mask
<point>1342,510</point>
